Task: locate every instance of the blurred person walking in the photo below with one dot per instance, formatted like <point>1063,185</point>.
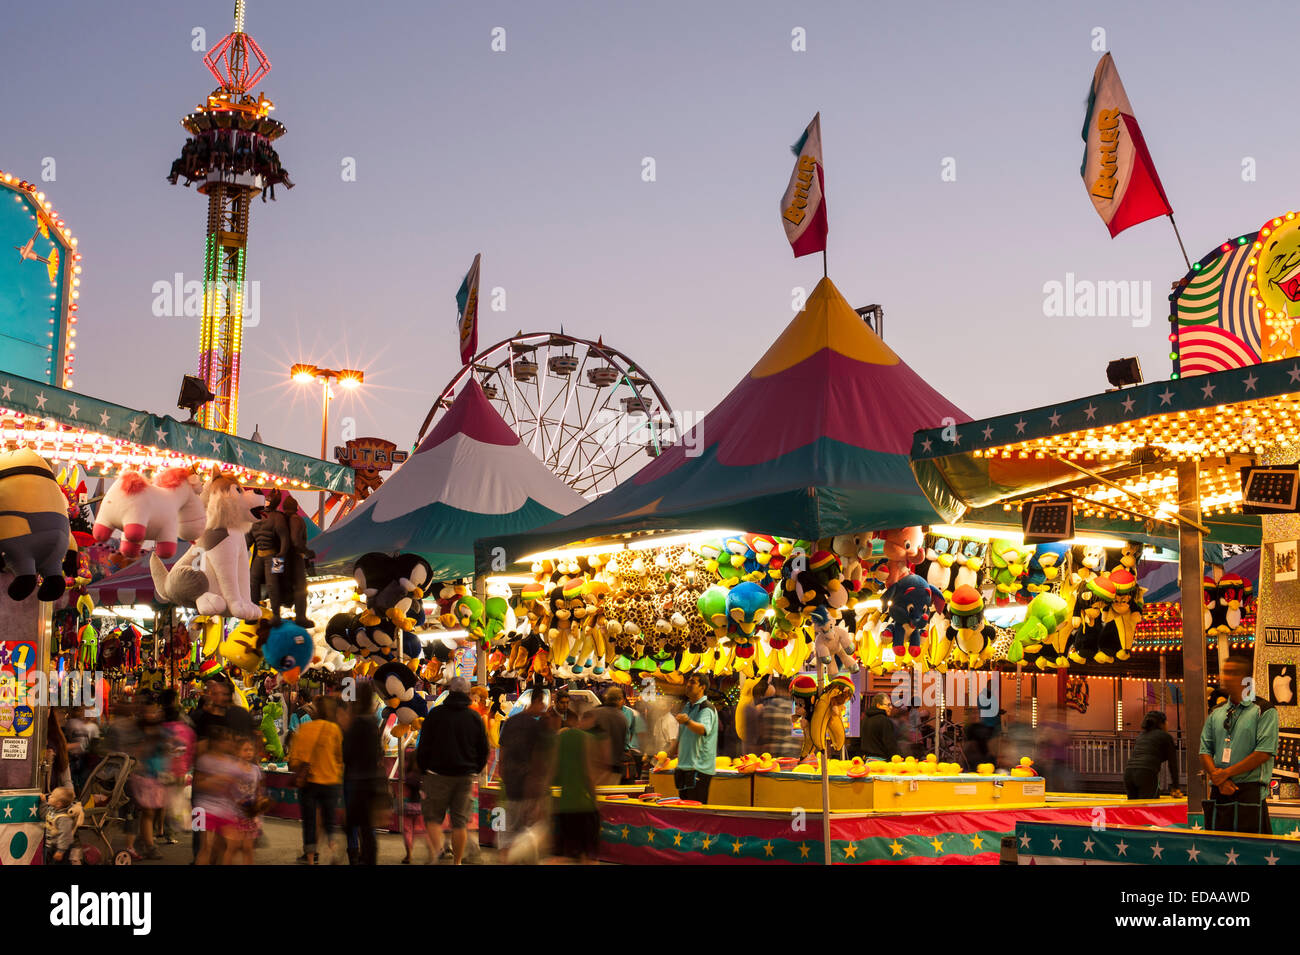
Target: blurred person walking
<point>452,751</point>
<point>1153,747</point>
<point>316,760</point>
<point>365,788</point>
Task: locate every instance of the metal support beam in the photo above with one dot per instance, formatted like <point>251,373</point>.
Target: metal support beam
<point>1190,571</point>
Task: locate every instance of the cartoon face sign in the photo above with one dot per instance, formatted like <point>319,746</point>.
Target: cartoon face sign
<point>1275,283</point>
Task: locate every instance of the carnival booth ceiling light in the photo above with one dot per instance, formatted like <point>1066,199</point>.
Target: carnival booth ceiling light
<point>104,438</point>
<point>1117,453</point>
<point>812,443</point>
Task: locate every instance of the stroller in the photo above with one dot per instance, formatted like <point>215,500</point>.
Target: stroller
<point>104,800</point>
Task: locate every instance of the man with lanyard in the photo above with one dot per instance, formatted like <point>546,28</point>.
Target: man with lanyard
<point>697,742</point>
<point>1237,748</point>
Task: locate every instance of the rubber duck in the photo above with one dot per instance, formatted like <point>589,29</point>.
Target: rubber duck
<point>1026,768</point>
<point>984,769</point>
<point>857,768</point>
<point>765,764</point>
<point>807,768</point>
<point>877,767</point>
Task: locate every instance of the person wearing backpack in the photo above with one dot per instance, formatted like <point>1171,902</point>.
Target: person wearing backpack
<point>697,742</point>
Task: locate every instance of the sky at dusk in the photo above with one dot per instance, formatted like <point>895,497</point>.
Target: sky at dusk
<point>533,157</point>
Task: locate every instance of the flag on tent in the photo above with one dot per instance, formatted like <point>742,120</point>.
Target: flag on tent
<point>1117,169</point>
<point>467,313</point>
<point>803,209</point>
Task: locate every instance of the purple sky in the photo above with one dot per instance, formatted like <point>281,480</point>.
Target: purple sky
<point>533,157</point>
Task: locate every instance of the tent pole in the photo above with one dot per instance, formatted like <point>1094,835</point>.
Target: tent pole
<point>1190,571</point>
<point>826,778</point>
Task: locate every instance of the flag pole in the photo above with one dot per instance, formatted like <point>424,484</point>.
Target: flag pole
<point>824,275</point>
<point>1179,237</point>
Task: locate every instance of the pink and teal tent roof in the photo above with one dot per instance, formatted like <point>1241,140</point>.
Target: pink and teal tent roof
<point>813,442</point>
<point>471,477</point>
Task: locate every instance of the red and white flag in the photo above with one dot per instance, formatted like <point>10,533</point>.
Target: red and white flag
<point>803,207</point>
<point>1117,169</point>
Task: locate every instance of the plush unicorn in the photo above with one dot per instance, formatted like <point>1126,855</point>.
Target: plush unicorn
<point>168,508</point>
<point>219,584</point>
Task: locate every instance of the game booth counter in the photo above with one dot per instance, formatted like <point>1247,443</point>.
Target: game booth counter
<point>1172,460</point>
<point>825,477</point>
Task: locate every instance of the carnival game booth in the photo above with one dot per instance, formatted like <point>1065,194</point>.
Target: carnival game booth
<point>1183,458</point>
<point>810,448</point>
<point>82,435</point>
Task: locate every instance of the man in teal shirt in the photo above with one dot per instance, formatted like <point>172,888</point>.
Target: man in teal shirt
<point>697,742</point>
<point>1237,748</point>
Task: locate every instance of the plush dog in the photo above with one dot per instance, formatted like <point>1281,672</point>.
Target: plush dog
<point>213,575</point>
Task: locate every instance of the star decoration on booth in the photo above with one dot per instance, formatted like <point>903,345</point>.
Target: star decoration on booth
<point>677,839</point>
<point>1020,426</point>
<point>261,458</point>
<point>161,434</point>
<point>926,443</point>
<point>1056,843</point>
<point>1197,826</point>
<point>650,835</point>
<point>239,452</point>
<point>896,848</point>
<point>938,846</point>
<point>189,440</point>
<point>988,432</point>
<point>768,847</point>
<point>1232,857</point>
<point>103,419</point>
<point>1128,404</point>
<point>6,390</point>
<point>1156,850</point>
<point>1055,418</point>
<point>306,470</point>
<point>1024,841</point>
<point>625,832</point>
<point>73,409</point>
<point>9,812</point>
<point>1192,853</point>
<point>216,445</point>
<point>1166,396</point>
<point>1088,844</point>
<point>735,847</point>
<point>284,464</point>
<point>1090,412</point>
<point>41,399</point>
<point>708,841</point>
<point>1270,858</point>
<point>1295,374</point>
<point>1249,382</point>
<point>803,850</point>
<point>32,813</point>
<point>1122,846</point>
<point>977,841</point>
<point>851,850</point>
<point>1208,390</point>
<point>134,427</point>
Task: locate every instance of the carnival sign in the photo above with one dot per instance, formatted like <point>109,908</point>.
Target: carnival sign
<point>368,457</point>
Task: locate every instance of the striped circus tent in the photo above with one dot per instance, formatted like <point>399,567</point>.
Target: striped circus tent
<point>131,585</point>
<point>471,477</point>
<point>814,441</point>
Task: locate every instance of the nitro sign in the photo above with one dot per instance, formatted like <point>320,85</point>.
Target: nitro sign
<point>368,457</point>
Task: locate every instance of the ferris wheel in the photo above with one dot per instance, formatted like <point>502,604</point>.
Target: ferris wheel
<point>589,412</point>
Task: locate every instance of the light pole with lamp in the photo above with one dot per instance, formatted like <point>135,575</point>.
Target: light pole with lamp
<point>349,378</point>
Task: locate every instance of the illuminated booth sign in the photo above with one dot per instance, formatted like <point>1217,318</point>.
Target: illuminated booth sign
<point>39,277</point>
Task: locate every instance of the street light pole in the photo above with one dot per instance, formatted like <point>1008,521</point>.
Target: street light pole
<point>348,378</point>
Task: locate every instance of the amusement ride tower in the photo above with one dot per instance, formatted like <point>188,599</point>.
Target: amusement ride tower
<point>229,154</point>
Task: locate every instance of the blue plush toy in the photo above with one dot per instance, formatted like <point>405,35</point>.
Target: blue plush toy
<point>1045,567</point>
<point>287,650</point>
<point>907,603</point>
<point>746,604</point>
